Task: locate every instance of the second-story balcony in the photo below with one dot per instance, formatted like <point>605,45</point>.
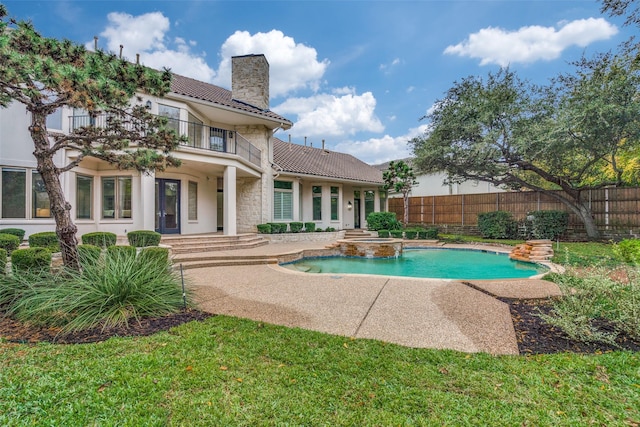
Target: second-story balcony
<point>199,136</point>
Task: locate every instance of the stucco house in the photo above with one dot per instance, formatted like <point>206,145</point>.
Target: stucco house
<point>234,173</point>
<point>432,184</point>
<point>332,189</point>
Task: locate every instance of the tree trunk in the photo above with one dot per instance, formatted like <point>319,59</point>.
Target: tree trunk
<point>60,208</point>
<point>573,200</point>
<point>589,223</point>
<point>406,209</point>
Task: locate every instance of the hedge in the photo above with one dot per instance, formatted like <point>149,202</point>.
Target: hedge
<point>18,232</point>
<point>296,227</point>
<point>278,227</point>
<point>154,255</point>
<point>264,228</point>
<point>102,239</point>
<point>45,239</point>
<point>383,233</point>
<point>143,238</point>
<point>32,260</point>
<point>497,225</point>
<point>9,242</point>
<point>120,251</point>
<point>396,234</point>
<point>429,233</point>
<point>410,234</point>
<point>383,221</point>
<point>548,224</point>
<point>309,227</point>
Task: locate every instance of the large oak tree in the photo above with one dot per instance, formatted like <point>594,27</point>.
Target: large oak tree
<point>46,74</point>
<point>510,133</point>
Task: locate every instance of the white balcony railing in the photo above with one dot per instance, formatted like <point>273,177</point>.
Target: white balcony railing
<point>200,136</point>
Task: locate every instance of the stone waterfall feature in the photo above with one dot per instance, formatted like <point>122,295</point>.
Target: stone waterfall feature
<point>533,251</point>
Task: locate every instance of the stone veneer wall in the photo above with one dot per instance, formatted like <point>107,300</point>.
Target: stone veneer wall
<point>250,80</point>
<point>254,196</point>
<point>327,236</point>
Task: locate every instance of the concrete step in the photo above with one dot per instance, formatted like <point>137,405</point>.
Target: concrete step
<point>186,265</point>
<point>356,234</point>
<point>190,244</point>
<point>216,246</point>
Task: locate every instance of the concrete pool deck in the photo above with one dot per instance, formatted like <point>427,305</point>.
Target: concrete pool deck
<point>422,313</point>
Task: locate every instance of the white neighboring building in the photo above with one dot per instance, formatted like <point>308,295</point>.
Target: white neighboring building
<point>432,184</point>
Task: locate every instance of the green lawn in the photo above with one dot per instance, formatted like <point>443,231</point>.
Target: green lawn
<point>228,371</point>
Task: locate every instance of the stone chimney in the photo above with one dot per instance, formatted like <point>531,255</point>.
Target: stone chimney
<point>250,80</point>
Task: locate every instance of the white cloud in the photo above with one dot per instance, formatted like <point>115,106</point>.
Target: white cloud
<point>386,67</point>
<point>380,150</point>
<point>292,66</point>
<point>146,35</point>
<point>529,44</point>
<point>334,115</point>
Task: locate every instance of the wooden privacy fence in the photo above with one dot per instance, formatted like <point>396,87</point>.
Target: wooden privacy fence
<point>615,209</point>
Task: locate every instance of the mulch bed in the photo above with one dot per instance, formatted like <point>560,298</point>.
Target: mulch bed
<point>534,335</point>
<point>15,331</point>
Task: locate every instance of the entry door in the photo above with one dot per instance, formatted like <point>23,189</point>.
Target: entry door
<point>168,206</point>
<point>356,213</point>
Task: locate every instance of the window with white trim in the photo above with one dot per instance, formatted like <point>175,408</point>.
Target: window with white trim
<point>84,197</point>
<point>282,201</point>
<point>116,197</point>
<point>335,193</point>
<point>316,191</point>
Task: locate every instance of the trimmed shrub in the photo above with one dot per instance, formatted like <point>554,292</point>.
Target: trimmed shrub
<point>88,254</point>
<point>31,260</point>
<point>548,224</point>
<point>428,234</point>
<point>309,227</point>
<point>9,242</point>
<point>3,261</point>
<point>264,228</point>
<point>45,239</point>
<point>628,250</point>
<point>154,255</point>
<point>383,234</point>
<point>410,234</point>
<point>396,234</point>
<point>143,238</point>
<point>18,232</point>
<point>330,229</point>
<point>278,227</point>
<point>296,227</point>
<point>102,239</point>
<point>383,221</point>
<point>497,225</point>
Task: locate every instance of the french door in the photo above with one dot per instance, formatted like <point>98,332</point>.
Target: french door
<point>167,206</point>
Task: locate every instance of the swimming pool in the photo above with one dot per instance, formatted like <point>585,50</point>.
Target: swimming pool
<point>436,263</point>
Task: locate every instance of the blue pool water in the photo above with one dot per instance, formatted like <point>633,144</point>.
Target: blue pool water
<point>427,263</point>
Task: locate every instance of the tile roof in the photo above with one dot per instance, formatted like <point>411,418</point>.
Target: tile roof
<point>295,158</point>
<point>384,166</point>
<point>211,93</point>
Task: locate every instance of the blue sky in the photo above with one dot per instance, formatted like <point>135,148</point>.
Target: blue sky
<point>358,74</point>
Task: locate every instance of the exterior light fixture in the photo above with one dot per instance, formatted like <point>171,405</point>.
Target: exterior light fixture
<point>148,105</point>
<point>349,205</point>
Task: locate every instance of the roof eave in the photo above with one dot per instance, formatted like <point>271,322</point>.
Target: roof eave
<point>284,124</point>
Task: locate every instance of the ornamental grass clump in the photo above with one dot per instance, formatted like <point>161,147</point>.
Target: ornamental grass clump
<point>109,292</point>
